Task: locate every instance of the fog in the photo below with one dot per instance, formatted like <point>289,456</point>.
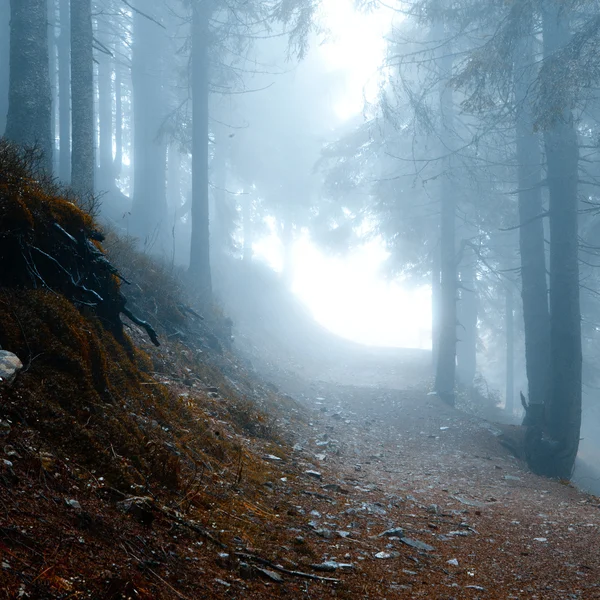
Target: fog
<point>421,177</point>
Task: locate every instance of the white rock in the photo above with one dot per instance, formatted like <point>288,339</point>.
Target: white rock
<point>10,365</point>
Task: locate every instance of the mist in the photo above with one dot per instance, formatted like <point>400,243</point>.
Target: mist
<point>374,207</point>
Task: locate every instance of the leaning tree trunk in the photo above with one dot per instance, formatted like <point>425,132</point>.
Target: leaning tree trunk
<point>64,93</point>
<point>563,413</point>
<point>29,100</point>
<point>534,289</point>
<point>199,267</point>
<point>4,61</point>
<point>82,95</point>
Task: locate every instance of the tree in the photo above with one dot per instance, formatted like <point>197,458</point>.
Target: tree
<point>4,62</point>
<point>148,77</point>
<point>534,289</point>
<point>200,246</point>
<point>563,407</point>
<point>64,92</point>
<point>29,101</point>
<point>82,97</point>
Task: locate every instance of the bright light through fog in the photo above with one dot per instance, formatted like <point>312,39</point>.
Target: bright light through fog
<point>360,61</point>
<point>350,297</point>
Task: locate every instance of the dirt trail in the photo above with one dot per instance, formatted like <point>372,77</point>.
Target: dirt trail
<point>407,460</point>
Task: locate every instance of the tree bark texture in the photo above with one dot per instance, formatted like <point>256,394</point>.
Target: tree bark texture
<point>466,348</point>
<point>509,330</point>
<point>64,92</point>
<point>445,377</point>
<point>534,288</point>
<point>4,61</point>
<point>563,412</point>
<point>149,207</point>
<point>200,246</point>
<point>82,98</point>
<point>29,100</point>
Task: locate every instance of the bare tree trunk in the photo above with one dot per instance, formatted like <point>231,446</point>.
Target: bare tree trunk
<point>30,101</point>
<point>173,180</point>
<point>534,289</point>
<point>149,207</point>
<point>200,246</point>
<point>82,94</point>
<point>466,348</point>
<point>563,412</point>
<point>435,307</point>
<point>4,61</point>
<point>105,121</point>
<point>509,321</point>
<point>446,366</point>
<point>53,74</point>
<point>118,162</point>
<point>64,92</point>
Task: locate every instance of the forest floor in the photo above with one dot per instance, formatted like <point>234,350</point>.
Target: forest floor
<point>382,492</point>
<point>415,471</point>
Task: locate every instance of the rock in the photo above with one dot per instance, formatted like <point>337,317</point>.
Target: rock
<point>73,503</point>
<point>272,575</point>
<point>417,544</point>
<point>312,473</point>
<point>468,502</point>
<point>272,457</point>
<point>452,562</point>
<point>334,487</point>
<point>139,507</point>
<point>332,565</point>
<point>5,428</point>
<point>10,365</point>
<point>384,555</point>
<point>394,532</point>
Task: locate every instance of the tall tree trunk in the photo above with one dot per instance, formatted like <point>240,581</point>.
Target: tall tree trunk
<point>174,180</point>
<point>446,366</point>
<point>82,95</point>
<point>4,61</point>
<point>53,74</point>
<point>200,246</point>
<point>466,347</point>
<point>118,162</point>
<point>435,307</point>
<point>534,289</point>
<point>30,101</point>
<point>221,226</point>
<point>563,414</point>
<point>64,92</point>
<point>509,331</point>
<point>149,207</point>
<point>105,178</point>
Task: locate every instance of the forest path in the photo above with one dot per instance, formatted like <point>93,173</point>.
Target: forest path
<point>410,461</point>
